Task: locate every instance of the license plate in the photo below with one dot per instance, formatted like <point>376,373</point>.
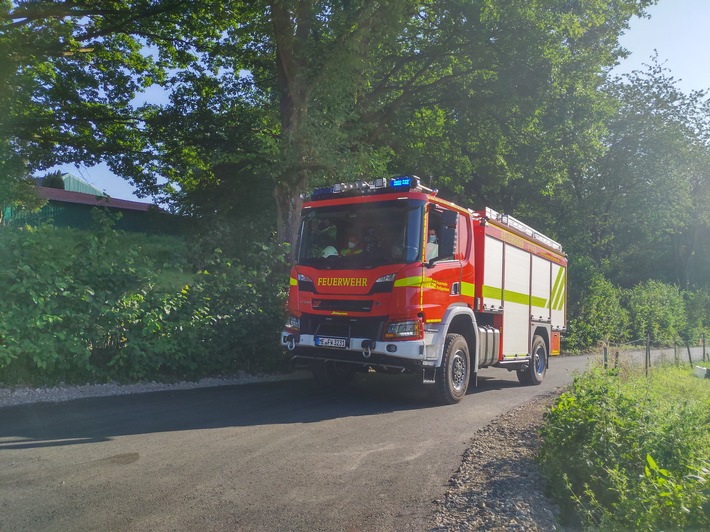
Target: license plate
<point>323,341</point>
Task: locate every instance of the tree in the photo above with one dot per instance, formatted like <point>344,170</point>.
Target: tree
<point>53,180</point>
<point>526,110</point>
<point>69,73</point>
<point>16,187</point>
<point>639,210</point>
<point>291,92</point>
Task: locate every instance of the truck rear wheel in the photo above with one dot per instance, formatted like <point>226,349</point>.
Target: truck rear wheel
<point>453,375</point>
<point>332,374</point>
<point>534,372</point>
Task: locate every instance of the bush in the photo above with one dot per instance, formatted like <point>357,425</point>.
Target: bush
<point>606,313</point>
<point>600,316</point>
<point>657,310</point>
<point>103,305</point>
<point>626,452</point>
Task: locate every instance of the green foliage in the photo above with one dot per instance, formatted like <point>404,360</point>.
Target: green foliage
<point>599,317</point>
<point>657,311</point>
<point>602,312</point>
<point>110,306</point>
<point>697,304</point>
<point>53,180</point>
<point>496,99</point>
<point>638,208</point>
<point>625,452</point>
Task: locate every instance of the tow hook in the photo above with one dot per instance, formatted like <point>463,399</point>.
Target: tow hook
<point>367,347</point>
<point>290,342</point>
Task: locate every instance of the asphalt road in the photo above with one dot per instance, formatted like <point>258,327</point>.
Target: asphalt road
<point>274,456</point>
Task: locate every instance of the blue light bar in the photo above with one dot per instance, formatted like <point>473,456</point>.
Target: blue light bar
<point>379,185</point>
<point>321,192</point>
<point>403,182</point>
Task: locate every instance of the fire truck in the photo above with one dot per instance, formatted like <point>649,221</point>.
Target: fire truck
<point>392,278</point>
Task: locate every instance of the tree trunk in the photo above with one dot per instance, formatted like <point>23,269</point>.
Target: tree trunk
<point>288,212</point>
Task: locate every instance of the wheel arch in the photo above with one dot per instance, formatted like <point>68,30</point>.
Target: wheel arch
<point>463,324</point>
<point>544,333</point>
<point>458,319</point>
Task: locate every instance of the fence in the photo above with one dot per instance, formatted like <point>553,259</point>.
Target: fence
<point>699,352</point>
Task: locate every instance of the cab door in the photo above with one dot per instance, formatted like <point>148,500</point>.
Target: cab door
<point>441,283</point>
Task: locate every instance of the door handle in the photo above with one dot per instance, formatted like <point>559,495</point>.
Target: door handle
<point>455,288</point>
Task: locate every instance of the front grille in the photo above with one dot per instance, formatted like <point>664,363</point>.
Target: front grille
<point>344,305</point>
<point>342,326</point>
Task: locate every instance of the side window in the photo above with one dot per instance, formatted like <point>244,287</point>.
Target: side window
<point>432,239</point>
<point>464,238</point>
<point>441,234</point>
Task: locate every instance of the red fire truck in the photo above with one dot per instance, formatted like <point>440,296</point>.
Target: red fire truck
<point>392,278</point>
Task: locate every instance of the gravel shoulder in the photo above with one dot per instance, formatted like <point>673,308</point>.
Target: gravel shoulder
<point>499,485</point>
<point>24,395</point>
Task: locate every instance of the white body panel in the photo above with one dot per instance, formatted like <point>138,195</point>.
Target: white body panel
<point>516,302</point>
<point>525,278</point>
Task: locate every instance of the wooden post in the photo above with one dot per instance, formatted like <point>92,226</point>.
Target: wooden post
<point>606,357</point>
<point>703,347</point>
<point>690,358</point>
<point>648,353</point>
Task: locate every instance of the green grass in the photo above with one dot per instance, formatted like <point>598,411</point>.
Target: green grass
<point>626,451</point>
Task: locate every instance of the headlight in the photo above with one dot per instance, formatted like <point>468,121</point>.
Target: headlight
<point>403,329</point>
<point>383,284</point>
<point>293,323</point>
<point>305,283</point>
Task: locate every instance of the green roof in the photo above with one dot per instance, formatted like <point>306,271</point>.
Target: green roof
<point>74,184</point>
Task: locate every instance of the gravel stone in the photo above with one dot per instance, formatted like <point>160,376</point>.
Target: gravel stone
<point>55,394</point>
<point>499,485</point>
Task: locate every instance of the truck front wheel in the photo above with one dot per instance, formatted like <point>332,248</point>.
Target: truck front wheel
<point>453,375</point>
<point>534,372</point>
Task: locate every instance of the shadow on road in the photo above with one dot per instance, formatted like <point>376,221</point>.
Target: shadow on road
<point>301,401</point>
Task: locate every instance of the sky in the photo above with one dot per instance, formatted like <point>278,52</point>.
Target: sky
<point>679,30</point>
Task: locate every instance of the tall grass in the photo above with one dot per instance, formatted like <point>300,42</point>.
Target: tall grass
<point>622,451</point>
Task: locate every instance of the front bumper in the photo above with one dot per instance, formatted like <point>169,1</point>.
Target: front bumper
<point>407,354</point>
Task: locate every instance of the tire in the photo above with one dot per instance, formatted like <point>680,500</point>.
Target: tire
<point>333,374</point>
<point>534,372</point>
<point>453,375</point>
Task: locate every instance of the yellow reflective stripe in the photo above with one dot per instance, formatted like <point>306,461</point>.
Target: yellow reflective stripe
<point>516,297</point>
<point>559,300</point>
<point>293,281</point>
<point>556,287</point>
<point>468,289</point>
<point>492,292</point>
<point>538,301</point>
<point>513,297</point>
<point>409,281</point>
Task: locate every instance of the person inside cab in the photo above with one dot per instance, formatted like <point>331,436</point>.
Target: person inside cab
<point>432,245</point>
<point>353,246</point>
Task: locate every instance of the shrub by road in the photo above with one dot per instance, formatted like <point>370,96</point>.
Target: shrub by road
<point>625,451</point>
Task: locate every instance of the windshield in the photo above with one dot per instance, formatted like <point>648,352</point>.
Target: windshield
<point>362,235</point>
